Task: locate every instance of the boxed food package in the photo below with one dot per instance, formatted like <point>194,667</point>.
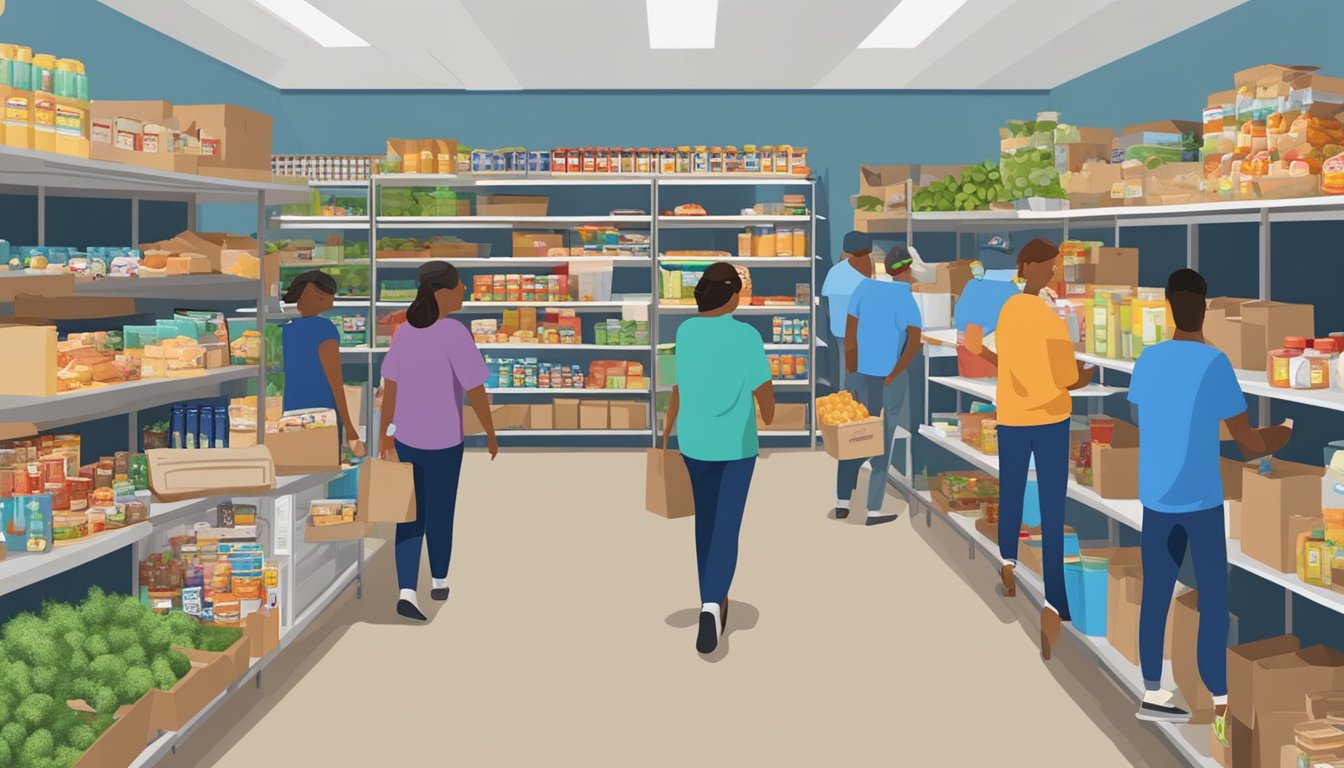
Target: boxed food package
<point>209,675</point>
<point>512,416</point>
<point>1185,657</point>
<point>855,440</point>
<point>972,427</point>
<point>1281,684</point>
<point>593,414</point>
<point>1174,184</point>
<point>1098,184</point>
<point>1286,502</point>
<point>1115,467</point>
<point>536,244</point>
<point>1223,329</point>
<point>1269,322</point>
<point>191,473</point>
<point>235,141</point>
<point>965,490</point>
<point>1111,266</point>
<point>336,520</point>
<point>566,413</point>
<point>881,204</point>
<point>512,205</point>
<point>951,276</point>
<point>30,355</point>
<point>1241,661</point>
<point>541,416</point>
<point>628,415</point>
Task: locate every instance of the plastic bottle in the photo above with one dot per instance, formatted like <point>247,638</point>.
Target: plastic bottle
<point>751,161</point>
<point>1280,365</point>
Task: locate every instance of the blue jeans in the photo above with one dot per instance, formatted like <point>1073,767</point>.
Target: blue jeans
<point>1163,542</point>
<point>877,398</point>
<point>720,491</point>
<point>436,473</point>
<point>1049,444</point>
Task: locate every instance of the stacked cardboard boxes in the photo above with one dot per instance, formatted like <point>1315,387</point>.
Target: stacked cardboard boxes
<point>1286,503</point>
<point>1247,330</point>
<point>211,139</point>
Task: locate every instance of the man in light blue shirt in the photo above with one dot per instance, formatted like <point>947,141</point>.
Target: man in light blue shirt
<point>1183,389</point>
<point>841,281</point>
<point>882,336</point>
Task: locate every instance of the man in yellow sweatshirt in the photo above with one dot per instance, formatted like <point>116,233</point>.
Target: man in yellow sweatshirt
<point>1036,371</point>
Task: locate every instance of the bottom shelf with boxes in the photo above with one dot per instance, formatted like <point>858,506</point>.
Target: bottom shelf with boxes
<point>561,415</point>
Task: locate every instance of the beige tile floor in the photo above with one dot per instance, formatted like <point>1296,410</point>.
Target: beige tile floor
<point>569,641</point>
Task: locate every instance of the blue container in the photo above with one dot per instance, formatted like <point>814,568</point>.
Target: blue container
<point>221,428</point>
<point>346,486</point>
<point>1085,581</point>
<point>205,437</point>
<point>192,428</point>
<point>1031,505</point>
<point>178,427</point>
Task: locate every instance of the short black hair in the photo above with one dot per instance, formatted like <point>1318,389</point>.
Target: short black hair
<point>1186,291</point>
<point>717,286</point>
<point>324,282</point>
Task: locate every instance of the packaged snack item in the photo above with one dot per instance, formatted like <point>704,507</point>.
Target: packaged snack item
<point>1332,175</point>
<point>192,601</point>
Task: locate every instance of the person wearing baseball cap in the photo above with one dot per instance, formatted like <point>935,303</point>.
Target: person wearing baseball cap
<point>842,279</point>
<point>882,336</point>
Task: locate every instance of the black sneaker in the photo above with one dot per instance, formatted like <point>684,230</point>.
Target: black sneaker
<point>879,520</point>
<point>708,639</point>
<point>1157,713</point>
<point>841,513</point>
<point>439,594</point>
<point>408,610</point>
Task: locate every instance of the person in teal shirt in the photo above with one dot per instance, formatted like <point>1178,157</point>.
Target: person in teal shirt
<point>722,375</point>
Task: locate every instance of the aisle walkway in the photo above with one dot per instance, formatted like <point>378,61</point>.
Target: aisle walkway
<point>569,641</point>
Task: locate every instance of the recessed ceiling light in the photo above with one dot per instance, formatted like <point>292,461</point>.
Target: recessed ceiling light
<point>308,19</point>
<point>682,23</point>
<point>911,22</point>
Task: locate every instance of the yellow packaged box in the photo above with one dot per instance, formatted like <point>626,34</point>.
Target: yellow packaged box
<point>30,360</point>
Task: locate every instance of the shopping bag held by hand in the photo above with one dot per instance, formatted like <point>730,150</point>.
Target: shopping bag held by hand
<point>667,485</point>
<point>386,491</point>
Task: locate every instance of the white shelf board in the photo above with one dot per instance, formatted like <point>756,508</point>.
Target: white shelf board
<point>344,184</point>
<point>794,262</point>
<point>504,262</point>
<point>1230,211</point>
<point>1319,595</point>
<point>79,177</point>
<point>565,347</point>
<point>792,382</point>
<point>985,388</point>
<point>729,222</point>
<point>506,222</point>
<point>567,391</point>
<point>785,433</point>
<point>20,570</point>
<point>786,347</point>
<point>513,179</point>
<point>498,306</point>
<point>114,400</point>
<point>320,222</point>
<point>569,433</point>
<point>362,350</point>
<point>166,511</point>
<point>1252,383</point>
<point>735,180</point>
<point>786,309</point>
<point>1189,740</point>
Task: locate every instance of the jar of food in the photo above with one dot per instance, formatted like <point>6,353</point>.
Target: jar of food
<point>667,160</point>
<point>603,161</point>
<point>589,155</point>
<point>782,153</point>
<point>683,159</point>
<point>559,157</point>
<point>1281,363</point>
<point>81,492</point>
<point>700,159</point>
<point>1317,359</point>
<point>628,156</point>
<point>643,160</point>
<point>767,159</point>
<point>732,162</point>
<point>716,159</point>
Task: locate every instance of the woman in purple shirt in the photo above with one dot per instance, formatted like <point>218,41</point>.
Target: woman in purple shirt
<point>432,364</point>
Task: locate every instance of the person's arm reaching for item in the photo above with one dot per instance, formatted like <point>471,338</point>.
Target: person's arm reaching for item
<point>329,353</point>
<point>385,441</point>
<point>670,419</point>
<point>1222,392</point>
<point>481,405</point>
<point>914,340</point>
<point>975,344</point>
<point>1253,442</point>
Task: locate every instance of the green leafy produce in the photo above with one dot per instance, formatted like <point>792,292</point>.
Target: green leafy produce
<point>868,203</point>
<point>978,186</point>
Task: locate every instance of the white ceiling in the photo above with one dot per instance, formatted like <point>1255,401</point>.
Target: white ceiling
<point>603,44</point>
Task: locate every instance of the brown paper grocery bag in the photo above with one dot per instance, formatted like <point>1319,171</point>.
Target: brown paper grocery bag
<point>386,491</point>
<point>667,489</point>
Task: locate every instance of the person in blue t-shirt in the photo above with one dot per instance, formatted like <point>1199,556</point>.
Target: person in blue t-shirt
<point>312,352</point>
<point>882,336</point>
<point>841,280</point>
<point>1182,389</point>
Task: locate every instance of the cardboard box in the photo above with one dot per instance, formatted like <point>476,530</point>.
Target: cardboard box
<point>1174,184</point>
<point>455,251</point>
<point>125,739</point>
<point>1234,519</point>
<point>1278,507</point>
<point>244,136</point>
<point>147,111</point>
<point>193,473</point>
<point>386,492</point>
<point>541,416</point>
<point>536,244</point>
<point>971,428</point>
<point>1185,658</point>
<point>175,162</point>
<point>1115,472</point>
<point>1325,704</point>
<point>512,416</point>
<point>15,284</point>
<point>1071,158</point>
<point>1116,266</point>
<point>1241,662</point>
<point>593,414</point>
<point>304,451</point>
<point>629,415</point>
<point>1094,185</point>
<point>1269,322</point>
<point>1222,755</point>
<point>512,205</point>
<point>1164,126</point>
<point>856,440</point>
<point>1232,470</point>
<point>262,629</point>
<point>1268,74</point>
<point>1270,733</point>
<point>1241,742</point>
<point>359,529</point>
<point>566,412</point>
<point>1281,683</point>
<point>1223,329</point>
<point>30,360</point>
<point>886,183</point>
<point>667,485</point>
<point>951,276</point>
<point>210,674</point>
<point>789,417</point>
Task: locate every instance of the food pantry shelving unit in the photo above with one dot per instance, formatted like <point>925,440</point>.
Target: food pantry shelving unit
<point>313,575</point>
<point>1190,742</point>
<point>644,193</point>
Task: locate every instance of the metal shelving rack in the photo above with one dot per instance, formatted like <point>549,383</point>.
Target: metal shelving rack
<point>654,222</point>
<point>1190,743</point>
<point>326,577</point>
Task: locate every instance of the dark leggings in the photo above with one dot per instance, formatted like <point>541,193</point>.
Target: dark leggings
<point>720,491</point>
<point>436,474</point>
<point>1049,443</point>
